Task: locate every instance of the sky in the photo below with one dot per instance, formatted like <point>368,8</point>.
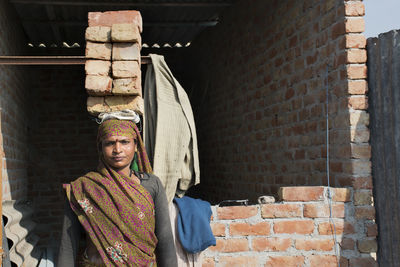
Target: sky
<point>381,16</point>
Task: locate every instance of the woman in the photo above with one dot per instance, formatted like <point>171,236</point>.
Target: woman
<point>124,212</point>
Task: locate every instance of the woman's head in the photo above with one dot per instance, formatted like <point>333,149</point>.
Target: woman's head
<point>116,142</point>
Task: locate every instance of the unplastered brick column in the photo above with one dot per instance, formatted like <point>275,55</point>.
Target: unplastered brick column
<point>360,149</point>
<point>295,232</point>
<point>113,76</point>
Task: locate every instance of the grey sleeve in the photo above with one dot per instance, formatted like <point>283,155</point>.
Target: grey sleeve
<point>165,250</point>
<point>70,235</point>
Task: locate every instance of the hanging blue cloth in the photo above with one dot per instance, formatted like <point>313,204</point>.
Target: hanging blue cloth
<point>194,229</point>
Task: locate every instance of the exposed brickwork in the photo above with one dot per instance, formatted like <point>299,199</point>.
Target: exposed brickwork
<point>259,107</point>
<point>15,107</point>
<point>260,97</point>
<point>296,240</point>
<point>62,143</point>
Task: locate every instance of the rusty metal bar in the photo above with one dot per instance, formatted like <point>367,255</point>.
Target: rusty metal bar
<point>51,60</point>
<point>203,23</point>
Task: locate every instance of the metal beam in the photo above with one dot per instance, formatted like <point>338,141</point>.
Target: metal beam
<point>51,60</point>
<point>208,23</point>
<point>125,4</point>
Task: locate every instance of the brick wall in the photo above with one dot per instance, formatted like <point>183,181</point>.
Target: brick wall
<point>294,232</point>
<point>62,143</point>
<point>14,103</point>
<point>259,82</point>
<point>257,88</point>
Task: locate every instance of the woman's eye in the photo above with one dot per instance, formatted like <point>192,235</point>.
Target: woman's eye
<point>125,142</point>
<point>108,143</point>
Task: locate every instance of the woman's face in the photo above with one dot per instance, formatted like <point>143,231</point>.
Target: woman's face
<point>118,151</point>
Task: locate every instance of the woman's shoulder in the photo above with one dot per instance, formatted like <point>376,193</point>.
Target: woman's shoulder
<point>151,182</point>
<point>90,174</point>
<point>151,178</point>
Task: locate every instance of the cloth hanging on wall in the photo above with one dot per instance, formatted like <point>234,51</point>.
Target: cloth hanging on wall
<point>169,130</point>
<point>193,224</point>
<point>185,259</point>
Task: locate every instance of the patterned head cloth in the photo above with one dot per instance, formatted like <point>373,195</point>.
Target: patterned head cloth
<point>129,129</point>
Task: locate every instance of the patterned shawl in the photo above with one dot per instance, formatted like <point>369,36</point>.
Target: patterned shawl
<point>117,213</point>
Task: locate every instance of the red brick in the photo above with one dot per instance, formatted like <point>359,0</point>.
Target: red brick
<point>285,261</point>
<point>115,17</point>
<point>355,25</point>
<point>238,261</point>
<point>208,262</point>
<point>359,118</point>
<point>367,246</point>
<point>236,212</point>
<point>116,103</point>
<point>231,245</point>
<point>245,229</point>
<point>356,56</point>
<point>98,50</point>
<point>97,67</point>
<point>218,229</point>
<point>337,30</point>
<point>355,41</point>
<point>323,260</point>
<point>363,197</point>
<point>365,212</point>
<point>127,86</point>
<point>95,105</point>
<point>98,85</point>
<point>291,227</point>
<point>322,210</point>
<point>354,9</point>
<point>347,244</point>
<point>314,244</point>
<point>98,34</point>
<point>372,230</point>
<point>357,87</point>
<point>125,32</point>
<point>361,151</point>
<point>326,228</point>
<point>357,72</point>
<point>363,262</point>
<point>271,244</point>
<point>358,102</point>
<point>362,183</point>
<point>300,193</point>
<point>281,210</point>
<point>125,69</point>
<point>340,194</point>
<point>358,166</point>
<point>359,135</point>
<point>126,51</point>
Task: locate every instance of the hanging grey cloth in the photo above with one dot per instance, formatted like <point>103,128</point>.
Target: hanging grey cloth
<point>169,130</point>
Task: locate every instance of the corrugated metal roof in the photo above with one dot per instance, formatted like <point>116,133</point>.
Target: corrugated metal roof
<point>165,22</point>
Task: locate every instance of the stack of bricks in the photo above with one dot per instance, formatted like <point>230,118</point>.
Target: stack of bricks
<point>113,76</point>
